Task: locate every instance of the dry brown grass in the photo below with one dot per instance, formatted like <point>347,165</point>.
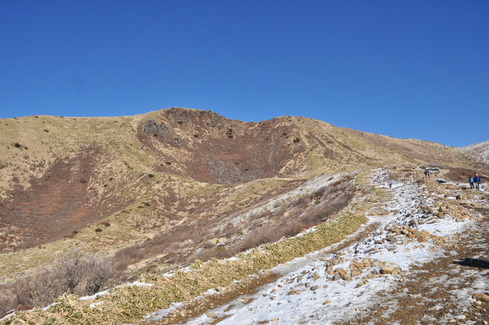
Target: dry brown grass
<point>130,303</point>
<point>129,165</point>
<point>285,220</point>
<point>131,169</point>
<point>303,212</point>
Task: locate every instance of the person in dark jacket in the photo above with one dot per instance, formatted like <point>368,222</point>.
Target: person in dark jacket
<point>477,181</point>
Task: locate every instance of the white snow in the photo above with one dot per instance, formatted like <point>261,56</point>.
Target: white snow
<point>300,297</point>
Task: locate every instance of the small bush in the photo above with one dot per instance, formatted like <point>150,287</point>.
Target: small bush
<point>75,272</point>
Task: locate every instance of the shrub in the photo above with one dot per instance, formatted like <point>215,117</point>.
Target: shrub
<point>75,272</point>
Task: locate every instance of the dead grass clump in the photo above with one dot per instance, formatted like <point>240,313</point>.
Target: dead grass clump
<point>262,235</point>
<point>217,253</point>
<point>127,256</point>
<point>231,230</point>
<point>301,201</point>
<point>208,244</point>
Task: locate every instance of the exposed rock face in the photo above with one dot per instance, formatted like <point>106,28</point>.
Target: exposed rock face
<point>164,132</point>
<point>214,149</point>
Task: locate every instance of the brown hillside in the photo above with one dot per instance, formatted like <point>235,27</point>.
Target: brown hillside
<point>177,184</point>
<point>210,148</point>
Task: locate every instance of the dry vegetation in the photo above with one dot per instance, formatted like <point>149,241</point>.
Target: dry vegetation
<point>286,219</point>
<point>75,272</point>
<point>174,188</point>
<point>131,303</point>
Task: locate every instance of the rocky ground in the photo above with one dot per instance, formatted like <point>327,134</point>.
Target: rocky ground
<point>451,289</point>
<point>421,260</point>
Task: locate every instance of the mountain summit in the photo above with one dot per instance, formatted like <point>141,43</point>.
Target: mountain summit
<point>175,186</point>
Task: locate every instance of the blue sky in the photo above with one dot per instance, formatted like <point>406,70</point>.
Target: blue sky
<point>406,69</point>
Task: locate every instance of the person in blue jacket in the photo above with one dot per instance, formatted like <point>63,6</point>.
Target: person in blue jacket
<point>477,181</point>
<point>471,182</point>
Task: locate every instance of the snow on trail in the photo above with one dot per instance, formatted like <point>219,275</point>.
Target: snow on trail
<point>309,293</point>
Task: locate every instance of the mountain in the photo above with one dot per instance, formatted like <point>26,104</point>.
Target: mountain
<point>65,178</point>
<point>179,184</point>
<point>117,181</point>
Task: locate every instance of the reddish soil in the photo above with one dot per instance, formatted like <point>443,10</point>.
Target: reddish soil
<point>219,150</point>
<point>54,206</point>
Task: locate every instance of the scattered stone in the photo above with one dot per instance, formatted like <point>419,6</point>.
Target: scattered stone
<point>387,269</point>
<point>367,262</point>
<point>481,297</point>
<point>345,275</point>
<point>356,273</point>
<point>315,276</point>
<point>362,283</point>
<point>426,233</point>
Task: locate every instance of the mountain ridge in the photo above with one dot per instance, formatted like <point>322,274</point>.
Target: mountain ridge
<point>118,182</point>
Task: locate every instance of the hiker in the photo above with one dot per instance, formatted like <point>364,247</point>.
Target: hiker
<point>426,172</point>
<point>477,181</point>
<point>471,182</point>
<point>390,183</point>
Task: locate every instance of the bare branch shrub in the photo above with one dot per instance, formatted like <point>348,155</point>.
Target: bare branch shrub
<point>75,272</point>
<point>7,300</point>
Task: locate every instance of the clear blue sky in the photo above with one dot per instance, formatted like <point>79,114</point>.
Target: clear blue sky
<point>406,69</point>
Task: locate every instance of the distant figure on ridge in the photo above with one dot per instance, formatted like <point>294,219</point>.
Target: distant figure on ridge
<point>390,183</point>
<point>471,182</point>
<point>426,172</point>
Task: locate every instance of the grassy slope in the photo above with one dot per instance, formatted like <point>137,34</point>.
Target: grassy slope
<point>30,145</point>
<point>129,304</point>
